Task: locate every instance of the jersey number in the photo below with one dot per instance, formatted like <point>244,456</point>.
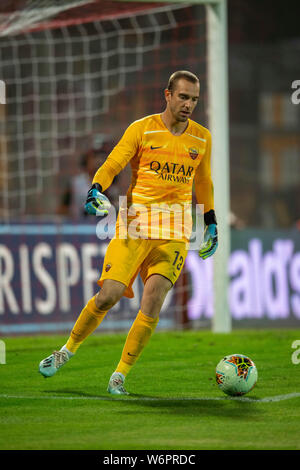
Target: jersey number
<point>178,258</point>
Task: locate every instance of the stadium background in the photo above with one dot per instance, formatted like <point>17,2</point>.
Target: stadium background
<point>69,99</point>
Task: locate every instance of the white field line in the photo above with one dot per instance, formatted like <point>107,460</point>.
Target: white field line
<point>275,398</point>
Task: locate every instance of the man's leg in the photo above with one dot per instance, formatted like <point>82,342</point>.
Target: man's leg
<point>89,319</point>
<point>155,291</point>
<point>94,312</point>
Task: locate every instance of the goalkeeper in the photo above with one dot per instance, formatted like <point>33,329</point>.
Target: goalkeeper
<point>169,154</point>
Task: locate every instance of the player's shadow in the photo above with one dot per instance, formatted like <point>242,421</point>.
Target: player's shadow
<point>223,406</point>
<point>235,409</point>
<point>76,394</point>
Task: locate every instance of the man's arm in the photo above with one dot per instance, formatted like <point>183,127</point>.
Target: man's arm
<point>97,203</point>
<point>204,191</point>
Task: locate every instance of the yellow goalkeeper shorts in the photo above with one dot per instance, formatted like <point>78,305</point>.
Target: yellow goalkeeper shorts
<point>125,259</point>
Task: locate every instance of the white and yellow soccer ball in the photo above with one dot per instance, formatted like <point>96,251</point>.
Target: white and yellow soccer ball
<point>236,374</point>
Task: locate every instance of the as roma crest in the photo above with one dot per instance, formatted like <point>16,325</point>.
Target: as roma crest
<point>193,153</point>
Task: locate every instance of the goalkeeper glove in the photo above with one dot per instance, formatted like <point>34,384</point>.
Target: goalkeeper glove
<point>97,203</point>
<point>210,243</point>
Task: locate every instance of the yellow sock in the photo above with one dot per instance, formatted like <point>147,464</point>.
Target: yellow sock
<point>89,319</point>
<point>137,338</point>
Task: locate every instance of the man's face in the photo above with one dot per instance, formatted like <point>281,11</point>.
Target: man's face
<point>183,99</point>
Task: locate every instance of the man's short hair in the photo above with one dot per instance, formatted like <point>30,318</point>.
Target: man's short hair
<point>181,74</point>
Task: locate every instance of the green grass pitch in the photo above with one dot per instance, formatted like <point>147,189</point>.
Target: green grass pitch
<point>174,402</point>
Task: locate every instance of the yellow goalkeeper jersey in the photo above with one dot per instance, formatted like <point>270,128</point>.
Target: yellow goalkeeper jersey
<point>164,168</point>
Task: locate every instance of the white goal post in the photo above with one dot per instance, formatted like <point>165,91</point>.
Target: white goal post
<point>219,126</point>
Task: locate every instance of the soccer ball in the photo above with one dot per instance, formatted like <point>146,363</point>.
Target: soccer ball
<point>236,374</point>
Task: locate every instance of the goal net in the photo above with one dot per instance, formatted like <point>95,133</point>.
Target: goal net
<point>76,74</point>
